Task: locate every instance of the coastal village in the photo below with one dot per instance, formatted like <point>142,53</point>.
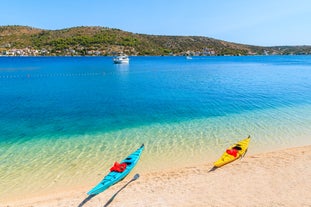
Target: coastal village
<point>45,52</point>
<point>24,52</point>
<point>82,52</point>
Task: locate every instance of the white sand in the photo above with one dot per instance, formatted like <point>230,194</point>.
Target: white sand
<point>280,178</point>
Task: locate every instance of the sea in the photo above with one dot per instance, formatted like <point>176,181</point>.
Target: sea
<point>64,121</point>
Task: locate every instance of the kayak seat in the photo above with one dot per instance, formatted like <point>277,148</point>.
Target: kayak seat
<point>128,163</point>
<point>237,148</point>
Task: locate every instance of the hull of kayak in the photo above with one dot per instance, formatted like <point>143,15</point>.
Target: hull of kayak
<point>114,177</point>
<point>227,158</point>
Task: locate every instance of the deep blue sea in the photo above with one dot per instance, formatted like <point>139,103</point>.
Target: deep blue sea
<point>64,119</point>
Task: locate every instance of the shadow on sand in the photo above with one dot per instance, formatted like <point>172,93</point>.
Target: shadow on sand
<point>213,169</point>
<point>136,176</point>
<point>86,200</point>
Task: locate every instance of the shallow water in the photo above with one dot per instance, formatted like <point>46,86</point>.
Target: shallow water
<point>65,120</point>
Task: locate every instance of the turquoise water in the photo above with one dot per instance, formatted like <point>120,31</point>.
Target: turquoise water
<point>64,120</point>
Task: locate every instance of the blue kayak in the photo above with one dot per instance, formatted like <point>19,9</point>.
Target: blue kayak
<point>114,177</point>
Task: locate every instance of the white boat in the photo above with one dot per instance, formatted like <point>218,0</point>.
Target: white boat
<point>121,59</point>
<point>188,57</point>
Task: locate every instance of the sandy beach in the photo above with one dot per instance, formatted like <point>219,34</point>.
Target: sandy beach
<point>278,178</point>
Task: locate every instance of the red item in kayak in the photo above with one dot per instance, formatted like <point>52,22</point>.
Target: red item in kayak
<point>118,167</point>
<point>233,152</point>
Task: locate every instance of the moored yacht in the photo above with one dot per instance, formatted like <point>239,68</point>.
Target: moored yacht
<point>121,59</point>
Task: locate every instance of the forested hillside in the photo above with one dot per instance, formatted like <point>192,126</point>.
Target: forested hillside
<point>23,40</point>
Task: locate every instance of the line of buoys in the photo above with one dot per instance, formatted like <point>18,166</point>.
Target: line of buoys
<point>50,75</point>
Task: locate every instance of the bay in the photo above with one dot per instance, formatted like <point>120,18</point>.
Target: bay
<point>66,119</point>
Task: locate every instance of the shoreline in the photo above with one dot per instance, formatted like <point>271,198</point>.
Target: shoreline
<point>276,178</point>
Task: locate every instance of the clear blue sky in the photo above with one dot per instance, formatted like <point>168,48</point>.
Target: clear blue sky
<point>256,22</point>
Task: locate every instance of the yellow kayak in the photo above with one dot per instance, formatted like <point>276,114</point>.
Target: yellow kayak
<point>233,153</point>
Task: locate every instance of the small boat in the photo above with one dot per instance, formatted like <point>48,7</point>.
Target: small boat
<point>117,174</point>
<point>188,57</point>
<point>233,153</point>
<point>121,59</point>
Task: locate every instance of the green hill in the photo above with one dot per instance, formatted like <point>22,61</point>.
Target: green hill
<point>23,40</point>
